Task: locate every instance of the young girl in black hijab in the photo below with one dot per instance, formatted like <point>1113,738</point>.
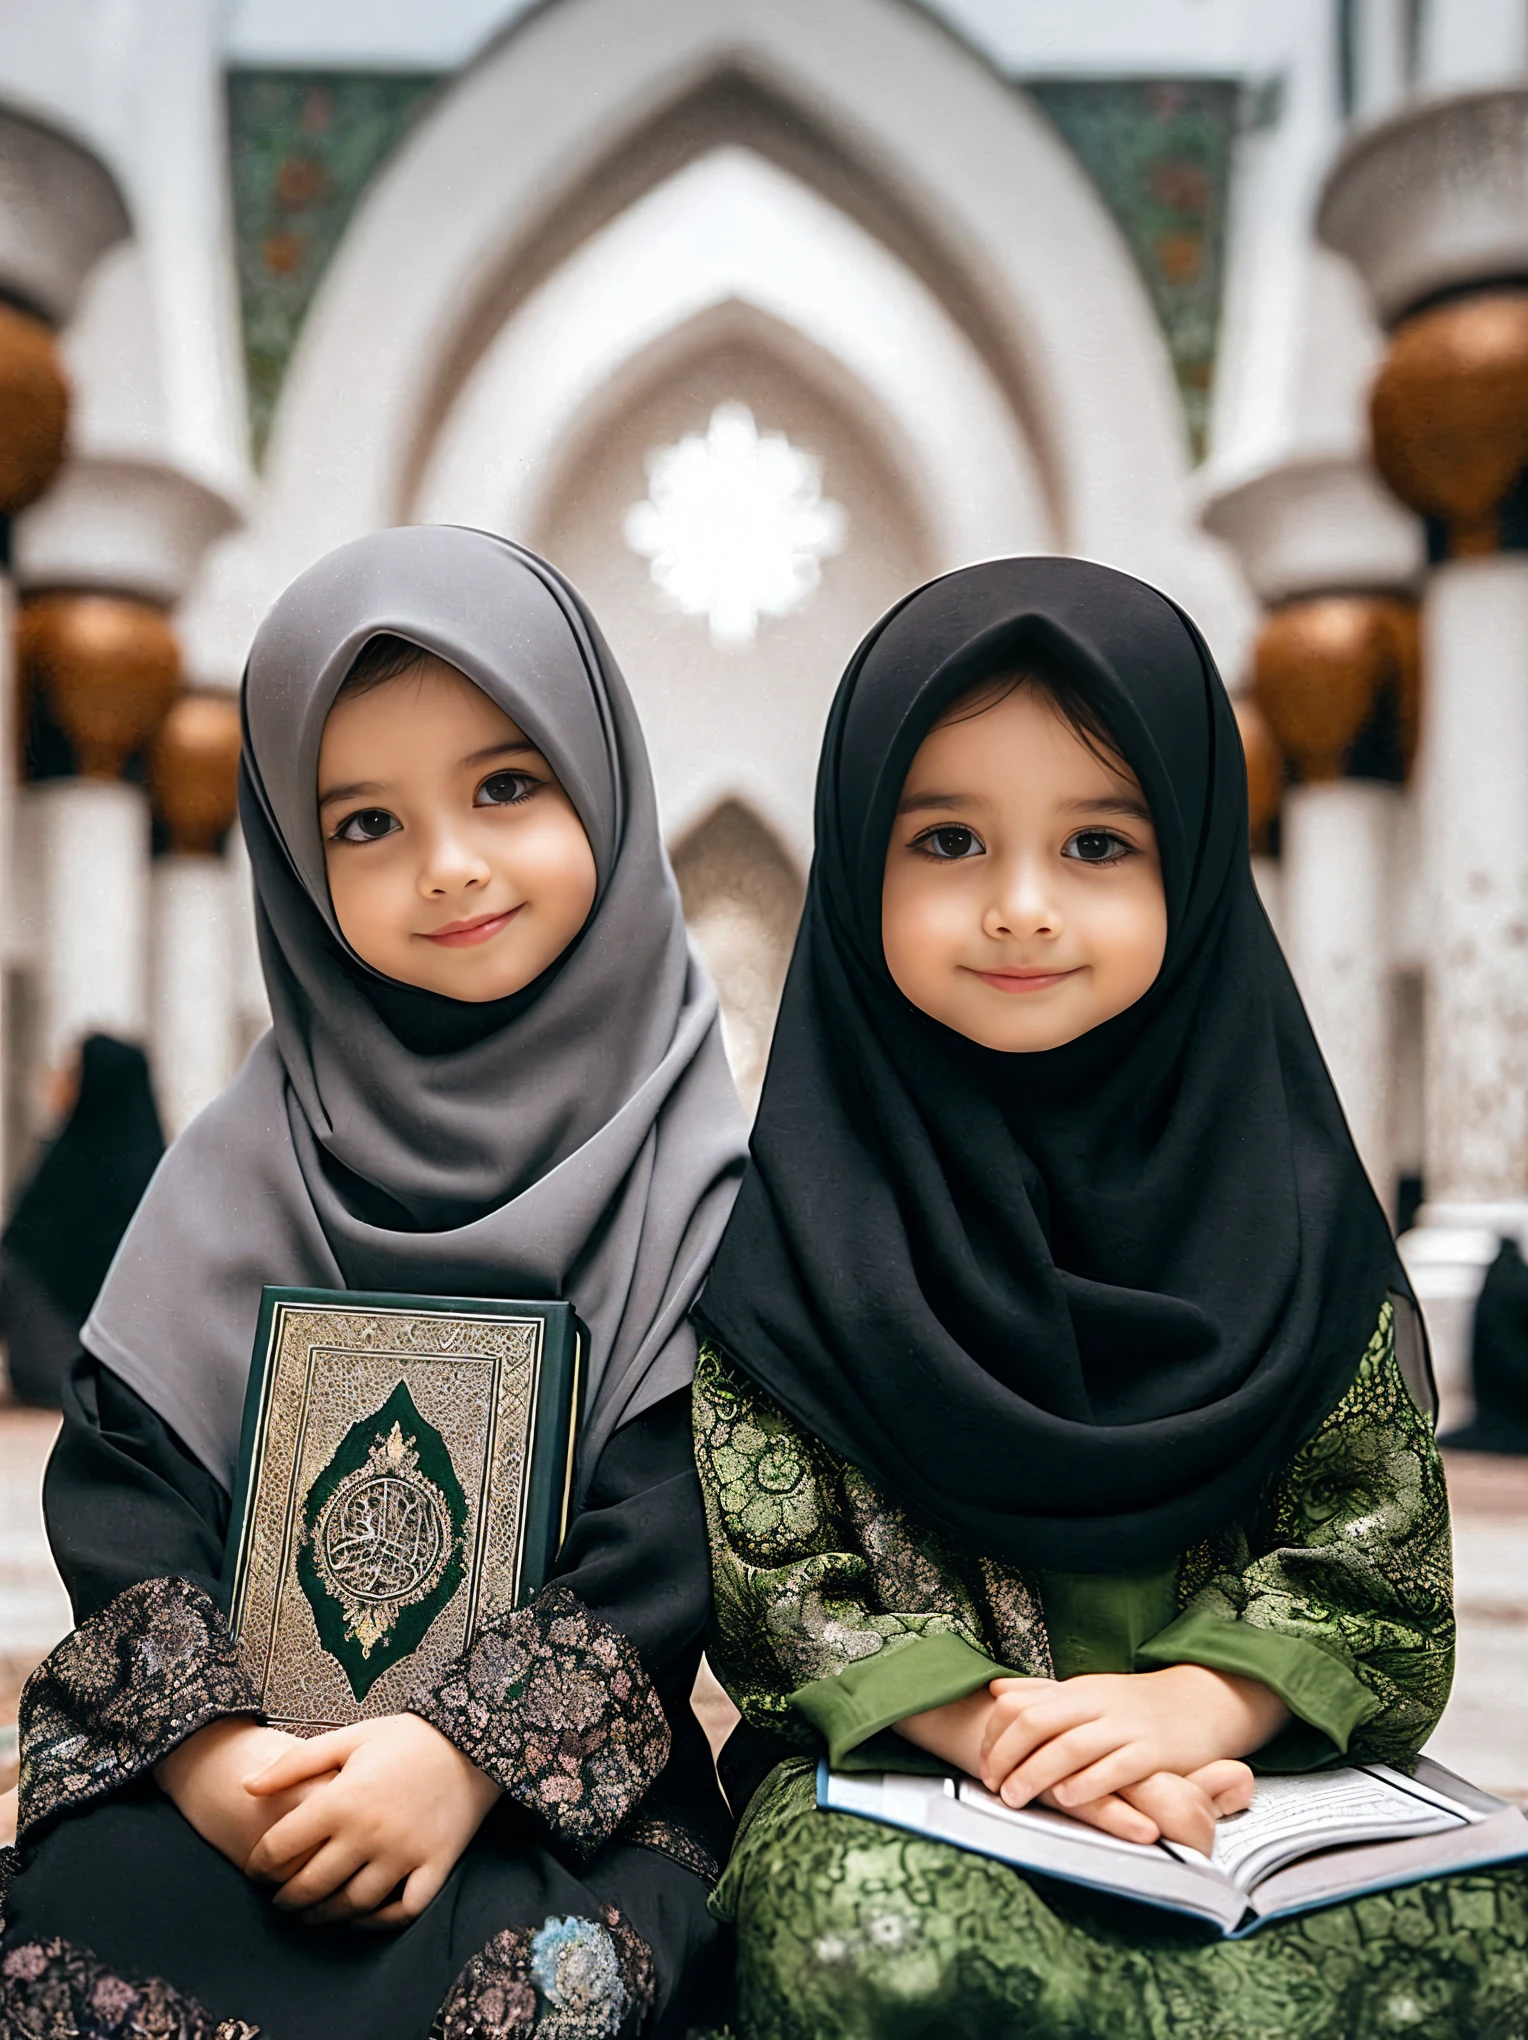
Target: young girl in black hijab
<point>1060,1414</point>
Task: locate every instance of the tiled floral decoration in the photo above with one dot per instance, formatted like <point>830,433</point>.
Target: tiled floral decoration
<point>1160,153</point>
<point>303,146</point>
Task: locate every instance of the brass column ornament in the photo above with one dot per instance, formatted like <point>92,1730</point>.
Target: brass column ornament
<point>1320,668</point>
<point>34,409</point>
<point>1449,413</point>
<point>111,668</point>
<point>194,771</point>
<point>1265,769</point>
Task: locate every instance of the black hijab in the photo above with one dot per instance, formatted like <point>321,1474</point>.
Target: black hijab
<point>70,1218</point>
<point>1072,1308</point>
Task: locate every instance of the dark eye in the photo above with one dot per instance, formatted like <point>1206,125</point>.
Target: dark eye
<point>1097,846</point>
<point>367,825</point>
<point>950,841</point>
<point>505,789</point>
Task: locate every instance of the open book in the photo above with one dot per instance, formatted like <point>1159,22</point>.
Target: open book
<point>1306,1841</point>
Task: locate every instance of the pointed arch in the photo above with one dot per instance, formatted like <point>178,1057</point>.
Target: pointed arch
<point>871,103</point>
<point>742,895</point>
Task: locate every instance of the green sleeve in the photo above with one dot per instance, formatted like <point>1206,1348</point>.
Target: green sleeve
<point>1348,1612</point>
<point>831,1620</point>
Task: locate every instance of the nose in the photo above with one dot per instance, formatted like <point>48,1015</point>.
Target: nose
<point>450,865</point>
<point>1022,904</point>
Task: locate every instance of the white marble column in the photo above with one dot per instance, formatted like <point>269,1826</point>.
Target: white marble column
<point>1338,855</point>
<point>192,1022</point>
<point>92,840</point>
<point>1473,774</point>
<point>1425,204</point>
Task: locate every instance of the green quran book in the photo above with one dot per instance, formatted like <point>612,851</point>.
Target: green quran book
<point>404,1479</point>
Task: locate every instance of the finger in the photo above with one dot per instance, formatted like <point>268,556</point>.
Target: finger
<point>1227,1784</point>
<point>282,1871</point>
<point>1030,1722</point>
<point>1038,1687</point>
<point>1115,1816</point>
<point>303,1760</point>
<point>333,1866</point>
<point>1013,1737</point>
<point>1180,1810</point>
<point>291,1839</point>
<point>1125,1765</point>
<point>1040,1769</point>
<point>423,1886</point>
<point>372,1886</point>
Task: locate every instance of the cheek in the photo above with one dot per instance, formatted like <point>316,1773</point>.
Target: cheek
<point>362,893</point>
<point>1129,933</point>
<point>555,864</point>
<point>921,928</point>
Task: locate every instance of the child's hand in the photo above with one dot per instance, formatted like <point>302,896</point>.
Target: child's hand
<point>399,1808</point>
<point>1169,1808</point>
<point>1081,1740</point>
<point>205,1776</point>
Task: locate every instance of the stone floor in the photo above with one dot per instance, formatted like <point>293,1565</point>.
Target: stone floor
<point>1483,1735</point>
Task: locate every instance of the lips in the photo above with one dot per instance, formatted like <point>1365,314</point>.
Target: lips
<point>1019,981</point>
<point>465,934</point>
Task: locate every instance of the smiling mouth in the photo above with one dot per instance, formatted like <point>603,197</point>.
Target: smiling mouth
<point>463,934</point>
<point>1025,980</point>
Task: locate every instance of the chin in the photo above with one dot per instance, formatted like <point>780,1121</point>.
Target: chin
<point>1034,1039</point>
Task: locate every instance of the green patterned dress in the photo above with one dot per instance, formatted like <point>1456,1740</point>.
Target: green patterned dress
<point>836,1616</point>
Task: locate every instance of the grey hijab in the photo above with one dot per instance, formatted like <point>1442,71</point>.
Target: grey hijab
<point>589,1147</point>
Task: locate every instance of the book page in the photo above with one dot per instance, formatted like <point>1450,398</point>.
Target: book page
<point>1292,1817</point>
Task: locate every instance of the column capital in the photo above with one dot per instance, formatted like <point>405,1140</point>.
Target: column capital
<point>118,524</point>
<point>60,210</point>
<point>1431,199</point>
<point>1314,524</point>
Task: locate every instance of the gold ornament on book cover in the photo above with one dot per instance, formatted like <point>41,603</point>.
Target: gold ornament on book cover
<point>399,1470</point>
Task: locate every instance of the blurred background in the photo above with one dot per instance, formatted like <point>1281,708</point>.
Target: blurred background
<point>751,314</point>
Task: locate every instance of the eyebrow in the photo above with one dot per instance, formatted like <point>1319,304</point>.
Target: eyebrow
<point>1109,804</point>
<point>912,802</point>
<point>360,786</point>
<point>1112,804</point>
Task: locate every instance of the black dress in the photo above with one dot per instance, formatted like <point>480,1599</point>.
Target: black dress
<point>577,1913</point>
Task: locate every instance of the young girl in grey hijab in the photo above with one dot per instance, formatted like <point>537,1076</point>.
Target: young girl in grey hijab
<point>493,1069</point>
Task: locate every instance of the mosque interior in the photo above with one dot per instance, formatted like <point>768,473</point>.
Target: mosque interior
<point>752,314</point>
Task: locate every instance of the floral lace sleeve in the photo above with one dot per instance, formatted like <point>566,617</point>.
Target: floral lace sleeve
<point>1354,1557</point>
<point>121,1691</point>
<point>554,1704</point>
<point>816,1574</point>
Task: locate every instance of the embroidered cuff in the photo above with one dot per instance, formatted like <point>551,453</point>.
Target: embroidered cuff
<point>1316,1687</point>
<point>122,1691</point>
<point>874,1693</point>
<point>554,1705</point>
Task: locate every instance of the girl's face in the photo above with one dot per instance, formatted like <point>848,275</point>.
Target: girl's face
<point>1022,903</point>
<point>456,862</point>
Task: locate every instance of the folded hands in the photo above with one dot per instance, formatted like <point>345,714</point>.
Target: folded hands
<point>1143,1756</point>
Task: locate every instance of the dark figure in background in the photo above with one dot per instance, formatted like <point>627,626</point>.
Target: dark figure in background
<point>72,1213</point>
<point>1499,1361</point>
